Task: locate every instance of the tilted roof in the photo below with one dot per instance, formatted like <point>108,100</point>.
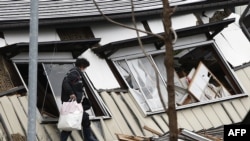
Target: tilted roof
<point>17,13</point>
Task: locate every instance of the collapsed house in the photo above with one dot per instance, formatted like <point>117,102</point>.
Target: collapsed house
<point>211,67</point>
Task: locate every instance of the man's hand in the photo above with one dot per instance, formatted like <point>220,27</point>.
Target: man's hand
<point>72,97</point>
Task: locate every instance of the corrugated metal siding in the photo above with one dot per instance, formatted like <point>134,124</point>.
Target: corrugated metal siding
<point>14,111</point>
<point>205,117</point>
<point>127,118</point>
<point>244,77</point>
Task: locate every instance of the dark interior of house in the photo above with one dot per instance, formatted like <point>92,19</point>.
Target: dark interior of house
<point>210,58</point>
<point>45,100</point>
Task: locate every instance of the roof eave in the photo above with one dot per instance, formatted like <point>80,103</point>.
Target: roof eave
<point>76,47</point>
<point>215,27</point>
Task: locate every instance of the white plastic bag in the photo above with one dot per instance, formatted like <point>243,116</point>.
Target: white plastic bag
<point>70,116</point>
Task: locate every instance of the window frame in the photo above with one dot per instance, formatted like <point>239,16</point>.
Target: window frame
<point>195,45</point>
<point>101,105</point>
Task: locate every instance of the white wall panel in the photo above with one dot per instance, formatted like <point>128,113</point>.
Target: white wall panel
<point>233,43</point>
<point>99,72</point>
<point>228,51</point>
<point>189,20</point>
<point>22,35</point>
<point>156,25</point>
<point>112,32</point>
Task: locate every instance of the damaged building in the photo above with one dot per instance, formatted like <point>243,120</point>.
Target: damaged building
<point>211,63</point>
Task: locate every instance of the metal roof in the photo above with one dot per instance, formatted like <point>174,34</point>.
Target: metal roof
<point>17,13</point>
<point>20,10</point>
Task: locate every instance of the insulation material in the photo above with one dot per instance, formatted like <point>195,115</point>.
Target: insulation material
<point>99,72</point>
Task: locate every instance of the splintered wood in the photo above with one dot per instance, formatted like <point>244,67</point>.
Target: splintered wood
<point>123,137</point>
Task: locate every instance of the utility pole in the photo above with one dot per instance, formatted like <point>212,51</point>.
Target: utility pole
<point>32,82</point>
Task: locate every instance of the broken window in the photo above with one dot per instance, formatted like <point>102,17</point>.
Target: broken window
<point>201,76</point>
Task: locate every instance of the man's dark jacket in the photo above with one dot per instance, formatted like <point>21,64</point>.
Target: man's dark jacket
<point>72,84</point>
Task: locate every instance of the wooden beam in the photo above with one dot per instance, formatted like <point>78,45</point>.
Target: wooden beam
<point>123,137</point>
<point>12,90</point>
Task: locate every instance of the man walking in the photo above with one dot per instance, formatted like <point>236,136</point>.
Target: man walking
<point>72,88</point>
